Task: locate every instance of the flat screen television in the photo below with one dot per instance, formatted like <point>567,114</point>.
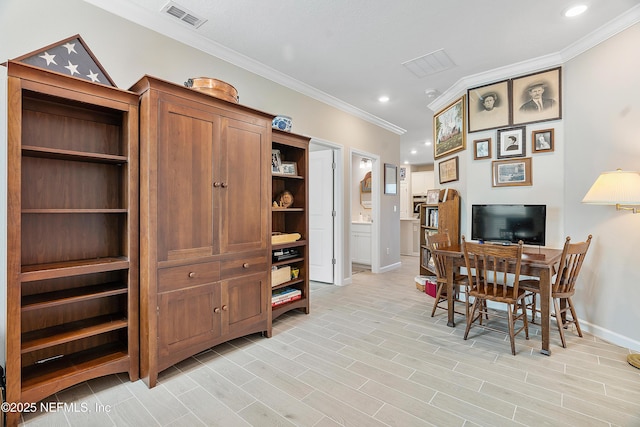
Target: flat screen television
<point>509,223</point>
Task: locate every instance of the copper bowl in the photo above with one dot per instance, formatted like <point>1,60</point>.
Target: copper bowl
<point>214,87</point>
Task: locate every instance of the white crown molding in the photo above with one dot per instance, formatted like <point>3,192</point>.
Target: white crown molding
<point>591,40</point>
<point>188,36</point>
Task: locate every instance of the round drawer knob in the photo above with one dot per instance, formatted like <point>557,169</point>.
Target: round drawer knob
<point>192,274</point>
<point>224,185</point>
<point>216,184</point>
<point>225,308</point>
<point>216,310</point>
<point>245,265</point>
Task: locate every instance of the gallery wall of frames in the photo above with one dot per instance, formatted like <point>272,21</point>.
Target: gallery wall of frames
<point>507,106</point>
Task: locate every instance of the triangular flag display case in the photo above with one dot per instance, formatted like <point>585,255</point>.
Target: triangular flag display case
<point>71,57</point>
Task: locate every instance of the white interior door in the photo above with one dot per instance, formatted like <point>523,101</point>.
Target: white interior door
<point>321,216</point>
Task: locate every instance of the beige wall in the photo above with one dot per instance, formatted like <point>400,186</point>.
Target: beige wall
<point>128,51</point>
<point>602,133</point>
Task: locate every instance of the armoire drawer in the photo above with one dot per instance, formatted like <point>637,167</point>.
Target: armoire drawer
<point>172,278</point>
<point>242,266</point>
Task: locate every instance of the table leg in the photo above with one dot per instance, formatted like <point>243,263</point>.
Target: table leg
<point>450,296</point>
<point>545,297</point>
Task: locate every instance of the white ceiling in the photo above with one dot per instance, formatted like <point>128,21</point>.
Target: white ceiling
<point>350,52</point>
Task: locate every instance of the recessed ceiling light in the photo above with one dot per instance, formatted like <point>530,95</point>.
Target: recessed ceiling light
<point>406,162</point>
<point>414,151</point>
<point>427,143</point>
<point>383,99</point>
<point>575,10</point>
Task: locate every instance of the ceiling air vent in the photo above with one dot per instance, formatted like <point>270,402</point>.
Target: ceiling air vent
<point>430,63</point>
<point>183,14</point>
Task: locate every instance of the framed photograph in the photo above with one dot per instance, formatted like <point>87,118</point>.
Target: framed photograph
<point>537,97</point>
<point>433,197</point>
<point>511,143</point>
<point>513,172</point>
<point>390,179</point>
<point>276,161</point>
<point>289,168</point>
<point>542,140</point>
<point>489,106</point>
<point>449,129</point>
<point>448,170</point>
<point>482,149</point>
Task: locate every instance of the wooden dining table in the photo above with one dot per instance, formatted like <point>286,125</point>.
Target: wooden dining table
<point>536,262</point>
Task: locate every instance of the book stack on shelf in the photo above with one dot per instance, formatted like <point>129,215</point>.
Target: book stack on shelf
<point>285,295</point>
<point>433,218</point>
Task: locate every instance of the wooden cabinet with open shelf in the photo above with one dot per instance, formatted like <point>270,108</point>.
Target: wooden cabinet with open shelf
<point>72,264</point>
<point>292,148</point>
<point>440,217</point>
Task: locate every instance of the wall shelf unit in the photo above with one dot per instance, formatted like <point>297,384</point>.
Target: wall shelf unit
<point>293,219</point>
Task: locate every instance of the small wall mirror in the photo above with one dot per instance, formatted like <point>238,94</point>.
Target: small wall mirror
<point>365,191</point>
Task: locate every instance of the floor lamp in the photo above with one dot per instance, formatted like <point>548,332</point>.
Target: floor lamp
<point>622,189</point>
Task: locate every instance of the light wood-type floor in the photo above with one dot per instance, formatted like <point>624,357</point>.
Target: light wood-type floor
<point>369,354</point>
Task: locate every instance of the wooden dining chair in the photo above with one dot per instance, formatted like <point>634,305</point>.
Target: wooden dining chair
<point>435,241</point>
<point>563,287</point>
<point>493,266</point>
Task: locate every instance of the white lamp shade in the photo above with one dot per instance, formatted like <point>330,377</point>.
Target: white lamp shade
<point>616,187</point>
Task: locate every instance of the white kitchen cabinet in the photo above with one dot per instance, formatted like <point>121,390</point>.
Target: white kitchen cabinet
<point>421,182</point>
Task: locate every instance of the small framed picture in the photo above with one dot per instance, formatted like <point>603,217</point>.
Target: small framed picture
<point>289,168</point>
<point>511,143</point>
<point>513,172</point>
<point>537,97</point>
<point>433,197</point>
<point>276,161</point>
<point>482,149</point>
<point>542,140</point>
<point>489,106</point>
<point>448,170</point>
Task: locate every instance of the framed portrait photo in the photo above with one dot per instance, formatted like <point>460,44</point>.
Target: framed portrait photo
<point>537,97</point>
<point>511,143</point>
<point>482,149</point>
<point>276,161</point>
<point>448,170</point>
<point>513,172</point>
<point>542,140</point>
<point>489,106</point>
<point>449,129</point>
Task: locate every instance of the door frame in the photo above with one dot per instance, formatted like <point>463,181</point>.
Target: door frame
<point>375,206</point>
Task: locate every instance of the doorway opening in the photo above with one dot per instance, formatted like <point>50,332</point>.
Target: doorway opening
<point>364,212</point>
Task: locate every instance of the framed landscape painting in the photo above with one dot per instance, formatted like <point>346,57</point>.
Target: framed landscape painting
<point>449,128</point>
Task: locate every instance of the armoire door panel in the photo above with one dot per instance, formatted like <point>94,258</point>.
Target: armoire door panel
<point>185,182</point>
<point>187,318</point>
<point>244,190</point>
<point>245,304</point>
